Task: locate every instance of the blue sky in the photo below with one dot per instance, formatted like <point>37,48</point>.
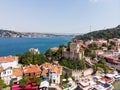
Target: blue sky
<point>59,16</point>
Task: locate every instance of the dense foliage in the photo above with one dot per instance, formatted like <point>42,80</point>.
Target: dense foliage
<point>106,34</point>
<point>31,58</point>
<point>2,84</point>
<point>54,55</point>
<point>101,66</point>
<point>89,52</point>
<point>37,80</point>
<point>27,80</point>
<point>24,81</point>
<point>65,75</point>
<point>72,64</point>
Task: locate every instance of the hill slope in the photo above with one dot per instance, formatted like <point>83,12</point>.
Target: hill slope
<point>8,33</point>
<point>108,33</point>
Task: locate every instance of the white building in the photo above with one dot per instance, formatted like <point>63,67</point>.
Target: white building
<point>54,72</point>
<point>6,74</point>
<point>98,52</point>
<point>6,65</point>
<point>17,75</point>
<point>34,50</point>
<point>9,61</point>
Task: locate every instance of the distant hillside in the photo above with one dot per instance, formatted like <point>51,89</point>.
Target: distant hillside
<point>108,33</point>
<point>8,33</point>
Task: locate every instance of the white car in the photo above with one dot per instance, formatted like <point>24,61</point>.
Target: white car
<point>117,77</point>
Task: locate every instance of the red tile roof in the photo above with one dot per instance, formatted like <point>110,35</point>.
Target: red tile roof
<point>54,49</point>
<point>97,51</point>
<point>8,59</point>
<point>44,72</point>
<point>31,69</point>
<point>17,72</point>
<point>53,68</point>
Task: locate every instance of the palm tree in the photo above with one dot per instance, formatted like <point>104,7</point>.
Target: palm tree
<point>101,66</point>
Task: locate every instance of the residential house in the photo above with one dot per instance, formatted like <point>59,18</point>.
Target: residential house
<point>114,53</point>
<point>31,70</point>
<point>55,73</point>
<point>88,42</point>
<point>98,52</point>
<point>52,71</point>
<point>104,48</point>
<point>100,42</point>
<point>6,74</point>
<point>17,75</point>
<point>9,61</point>
<point>116,40</point>
<point>109,58</point>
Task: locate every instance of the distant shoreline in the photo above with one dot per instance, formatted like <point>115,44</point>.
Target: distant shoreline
<point>13,34</point>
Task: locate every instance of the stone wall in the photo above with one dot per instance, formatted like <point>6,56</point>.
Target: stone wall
<point>75,52</point>
<point>78,73</point>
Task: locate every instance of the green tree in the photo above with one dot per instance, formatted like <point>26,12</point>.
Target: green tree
<point>66,76</point>
<point>59,52</point>
<point>112,43</point>
<point>2,84</point>
<point>104,45</point>
<point>82,64</point>
<point>30,58</point>
<point>88,52</point>
<point>93,46</point>
<point>37,81</point>
<point>49,53</point>
<point>106,34</point>
<point>24,81</point>
<point>93,54</point>
<point>101,66</point>
<point>68,46</point>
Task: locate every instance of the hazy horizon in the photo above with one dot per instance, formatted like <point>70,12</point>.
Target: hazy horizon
<point>59,16</point>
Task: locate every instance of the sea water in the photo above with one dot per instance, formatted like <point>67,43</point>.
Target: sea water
<point>13,46</point>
